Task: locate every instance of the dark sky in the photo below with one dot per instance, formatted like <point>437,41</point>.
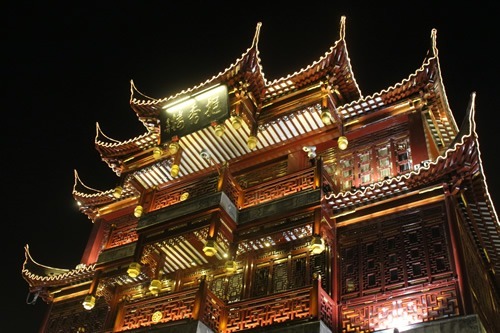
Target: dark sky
<point>68,65</point>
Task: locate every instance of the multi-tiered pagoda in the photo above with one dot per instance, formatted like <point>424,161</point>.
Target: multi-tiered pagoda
<point>292,205</point>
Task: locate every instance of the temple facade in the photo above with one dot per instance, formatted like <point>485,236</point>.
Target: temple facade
<point>292,205</point>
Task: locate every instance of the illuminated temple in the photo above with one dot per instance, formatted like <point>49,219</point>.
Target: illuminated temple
<point>292,205</point>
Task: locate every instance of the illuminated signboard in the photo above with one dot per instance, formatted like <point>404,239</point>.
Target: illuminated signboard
<point>194,113</point>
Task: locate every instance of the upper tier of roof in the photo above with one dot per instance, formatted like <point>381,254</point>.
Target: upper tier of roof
<point>246,73</point>
<point>424,85</point>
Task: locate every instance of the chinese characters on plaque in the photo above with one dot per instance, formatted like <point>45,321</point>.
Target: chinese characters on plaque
<point>195,113</point>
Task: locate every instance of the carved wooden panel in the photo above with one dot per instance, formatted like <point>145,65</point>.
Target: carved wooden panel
<point>122,231</point>
<point>278,188</point>
<point>172,307</point>
<point>276,272</point>
<point>171,196</point>
<point>265,312</point>
<point>280,277</point>
<point>387,312</point>
<point>213,311</point>
<point>397,252</point>
<point>393,256</point>
<point>71,317</point>
<point>235,288</point>
<point>318,265</point>
<point>260,280</point>
<point>299,272</point>
<point>228,287</point>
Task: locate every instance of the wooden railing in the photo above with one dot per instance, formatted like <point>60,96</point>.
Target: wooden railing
<point>174,194</point>
<point>309,303</point>
<point>302,180</point>
<point>277,188</point>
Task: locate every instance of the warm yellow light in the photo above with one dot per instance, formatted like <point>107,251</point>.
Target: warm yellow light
<point>236,122</point>
<point>317,245</point>
<point>174,171</point>
<point>157,152</point>
<point>138,211</point>
<point>252,142</point>
<point>230,266</point>
<point>326,118</point>
<point>89,302</point>
<point>134,269</point>
<point>155,286</point>
<point>173,148</point>
<point>118,192</point>
<point>342,142</point>
<point>184,196</point>
<point>156,317</point>
<point>219,130</point>
<point>209,248</point>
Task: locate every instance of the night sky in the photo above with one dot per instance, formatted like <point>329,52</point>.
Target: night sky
<point>67,67</point>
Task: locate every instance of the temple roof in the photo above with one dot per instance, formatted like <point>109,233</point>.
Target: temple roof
<point>424,87</point>
<point>334,66</point>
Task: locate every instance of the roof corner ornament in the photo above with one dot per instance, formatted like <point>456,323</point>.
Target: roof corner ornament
<point>342,27</point>
<point>257,33</point>
<point>434,42</point>
<point>33,300</point>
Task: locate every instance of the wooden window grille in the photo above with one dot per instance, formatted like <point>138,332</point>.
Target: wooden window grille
<point>403,156</point>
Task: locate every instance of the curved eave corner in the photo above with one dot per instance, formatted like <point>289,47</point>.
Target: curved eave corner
<point>443,114</point>
<point>40,277</point>
<point>246,68</point>
<point>468,129</point>
<point>403,93</point>
<point>334,65</point>
<point>431,99</point>
<point>485,214</point>
<point>89,200</point>
<point>352,90</point>
<point>113,151</point>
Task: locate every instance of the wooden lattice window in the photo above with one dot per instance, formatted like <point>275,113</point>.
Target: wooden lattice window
<point>286,273</point>
<point>228,288</point>
<point>371,280</point>
<point>280,276</point>
<point>261,280</point>
<point>347,173</point>
<point>393,253</point>
<point>384,162</point>
<point>403,155</point>
<point>365,170</point>
<point>299,271</point>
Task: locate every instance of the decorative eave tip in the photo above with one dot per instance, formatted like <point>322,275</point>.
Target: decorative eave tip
<point>99,135</point>
<point>133,89</point>
<point>434,42</point>
<point>257,34</point>
<point>342,27</point>
<point>78,182</point>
